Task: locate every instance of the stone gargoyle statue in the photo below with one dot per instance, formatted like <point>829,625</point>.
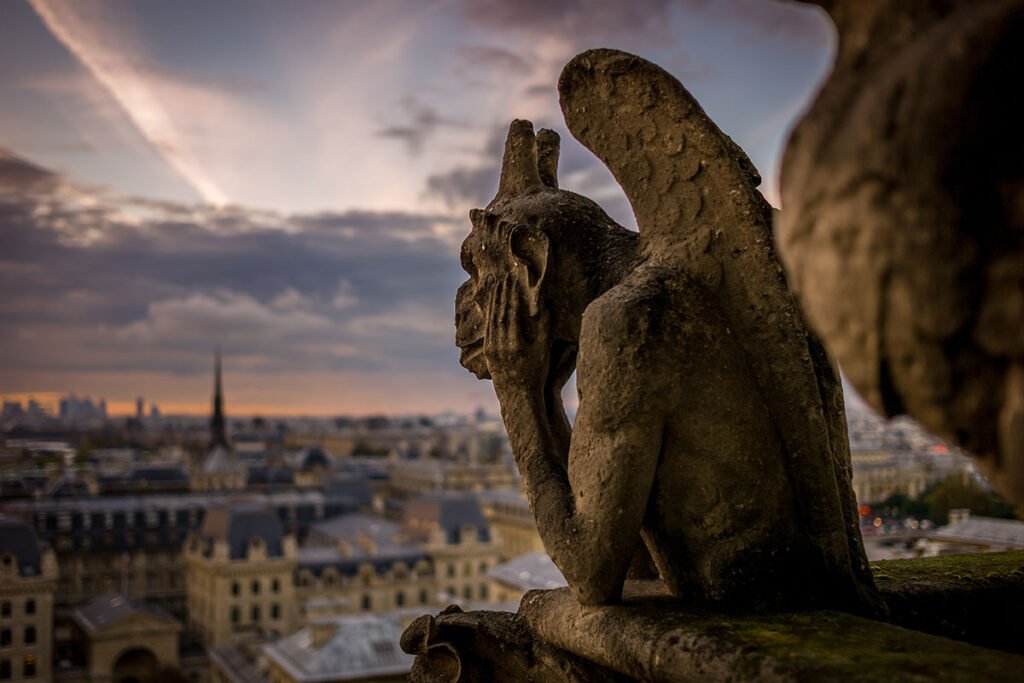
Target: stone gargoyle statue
<point>711,426</point>
<point>903,218</point>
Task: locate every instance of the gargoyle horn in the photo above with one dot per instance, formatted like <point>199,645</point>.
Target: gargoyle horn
<point>530,162</point>
<point>547,157</point>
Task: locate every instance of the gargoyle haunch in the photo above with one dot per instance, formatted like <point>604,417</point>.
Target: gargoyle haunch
<point>710,426</point>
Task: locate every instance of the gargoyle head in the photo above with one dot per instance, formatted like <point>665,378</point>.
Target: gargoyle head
<point>560,248</point>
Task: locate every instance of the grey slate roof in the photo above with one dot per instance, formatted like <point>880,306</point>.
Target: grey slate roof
<point>448,511</point>
<point>356,529</point>
<point>356,488</point>
<point>532,571</point>
<point>110,608</point>
<point>1007,533</point>
<point>313,456</point>
<point>19,540</point>
<point>361,647</point>
<point>238,523</point>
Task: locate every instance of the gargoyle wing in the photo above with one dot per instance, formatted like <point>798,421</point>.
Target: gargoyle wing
<point>693,192</point>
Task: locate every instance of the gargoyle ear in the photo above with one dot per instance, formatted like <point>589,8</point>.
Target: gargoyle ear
<point>530,247</point>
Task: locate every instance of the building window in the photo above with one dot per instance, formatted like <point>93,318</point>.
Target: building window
<point>30,635</point>
<point>275,611</point>
<point>467,569</point>
<point>234,615</point>
<point>255,587</point>
<point>5,637</point>
<point>5,669</point>
<point>467,593</point>
<point>30,607</point>
<point>451,570</point>
<point>28,666</point>
<point>366,603</point>
<point>399,599</point>
<point>5,609</point>
<point>255,612</point>
<point>275,586</point>
<point>424,596</point>
<point>235,588</point>
<point>483,567</point>
<point>483,591</point>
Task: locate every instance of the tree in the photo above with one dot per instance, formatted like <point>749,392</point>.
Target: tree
<point>957,491</point>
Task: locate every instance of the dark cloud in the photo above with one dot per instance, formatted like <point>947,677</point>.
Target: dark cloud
<point>580,19</point>
<point>473,185</point>
<point>420,124</point>
<point>490,57</point>
<point>18,175</point>
<point>103,285</point>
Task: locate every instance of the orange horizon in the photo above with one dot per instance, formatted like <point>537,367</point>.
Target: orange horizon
<point>49,400</point>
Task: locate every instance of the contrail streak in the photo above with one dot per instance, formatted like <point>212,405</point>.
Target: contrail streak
<point>131,91</point>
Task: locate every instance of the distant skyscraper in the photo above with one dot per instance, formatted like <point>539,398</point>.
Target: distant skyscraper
<point>140,408</point>
<point>218,430</point>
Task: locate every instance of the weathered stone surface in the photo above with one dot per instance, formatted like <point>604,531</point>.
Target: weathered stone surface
<point>491,647</point>
<point>711,422</point>
<point>975,598</point>
<point>652,638</point>
<point>903,218</point>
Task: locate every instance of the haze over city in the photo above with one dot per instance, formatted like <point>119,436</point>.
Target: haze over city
<point>293,186</point>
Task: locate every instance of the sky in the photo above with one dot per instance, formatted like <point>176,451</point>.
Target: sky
<point>291,181</point>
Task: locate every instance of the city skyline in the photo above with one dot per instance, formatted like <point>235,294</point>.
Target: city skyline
<point>294,185</point>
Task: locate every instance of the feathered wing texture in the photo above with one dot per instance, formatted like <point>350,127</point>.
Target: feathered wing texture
<point>693,192</point>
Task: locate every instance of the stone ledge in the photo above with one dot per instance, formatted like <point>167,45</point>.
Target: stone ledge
<point>653,637</point>
<point>649,638</point>
<point>976,598</point>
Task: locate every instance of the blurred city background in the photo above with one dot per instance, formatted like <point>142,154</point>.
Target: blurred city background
<point>289,184</point>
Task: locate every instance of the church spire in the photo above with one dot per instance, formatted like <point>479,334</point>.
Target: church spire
<point>218,432</point>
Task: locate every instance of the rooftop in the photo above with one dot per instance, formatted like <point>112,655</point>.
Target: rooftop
<point>238,524</point>
<point>448,511</point>
<point>110,608</point>
<point>1007,533</point>
<point>342,648</point>
<point>18,540</point>
<point>532,571</point>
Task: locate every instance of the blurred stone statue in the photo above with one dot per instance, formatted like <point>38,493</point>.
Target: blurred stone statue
<point>903,218</point>
<point>711,427</point>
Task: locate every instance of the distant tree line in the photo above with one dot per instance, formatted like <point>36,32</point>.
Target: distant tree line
<point>952,493</point>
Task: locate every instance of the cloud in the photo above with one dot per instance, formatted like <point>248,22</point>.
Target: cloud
<point>156,284</point>
<point>18,176</point>
<point>422,121</point>
<point>498,58</point>
<point>579,18</point>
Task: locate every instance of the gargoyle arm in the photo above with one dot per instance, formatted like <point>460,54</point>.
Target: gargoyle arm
<point>590,519</point>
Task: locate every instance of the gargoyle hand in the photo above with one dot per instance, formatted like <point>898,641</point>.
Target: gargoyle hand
<point>516,346</point>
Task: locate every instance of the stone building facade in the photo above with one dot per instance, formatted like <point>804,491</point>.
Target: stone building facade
<point>240,568</point>
<point>28,579</point>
